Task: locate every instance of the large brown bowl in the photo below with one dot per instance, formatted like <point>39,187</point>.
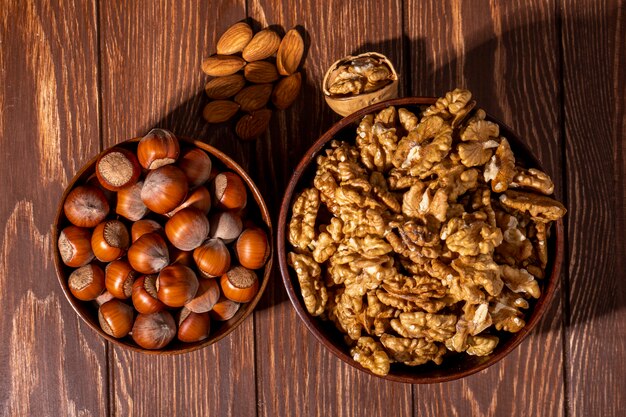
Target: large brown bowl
<point>88,312</point>
<point>453,366</point>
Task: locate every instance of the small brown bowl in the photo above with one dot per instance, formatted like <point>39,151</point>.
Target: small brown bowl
<point>88,311</point>
<point>455,366</point>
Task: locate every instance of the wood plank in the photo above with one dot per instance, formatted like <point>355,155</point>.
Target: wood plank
<point>311,380</point>
<point>594,35</point>
<point>49,123</point>
<point>506,53</point>
<point>151,55</point>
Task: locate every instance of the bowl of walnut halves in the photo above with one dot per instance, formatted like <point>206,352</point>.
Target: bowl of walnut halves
<point>418,240</point>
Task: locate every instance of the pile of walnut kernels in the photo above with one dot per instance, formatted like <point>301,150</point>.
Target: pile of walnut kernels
<point>436,237</point>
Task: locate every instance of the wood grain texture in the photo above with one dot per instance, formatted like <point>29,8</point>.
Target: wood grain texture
<point>312,381</point>
<point>506,53</point>
<point>332,31</point>
<point>151,55</point>
<point>49,360</point>
<point>217,380</point>
<point>594,62</point>
<point>77,75</point>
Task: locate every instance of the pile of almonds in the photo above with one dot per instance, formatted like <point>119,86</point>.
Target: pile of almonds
<point>176,251</point>
<point>249,71</point>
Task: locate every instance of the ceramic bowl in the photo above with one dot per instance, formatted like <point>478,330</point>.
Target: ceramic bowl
<point>256,211</point>
<point>453,366</point>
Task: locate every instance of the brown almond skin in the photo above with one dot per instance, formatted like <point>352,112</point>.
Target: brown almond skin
<point>290,53</point>
<point>221,88</point>
<point>263,45</point>
<point>252,125</point>
<point>220,111</point>
<point>254,97</point>
<point>286,91</point>
<point>234,39</point>
<point>221,65</point>
<point>260,72</point>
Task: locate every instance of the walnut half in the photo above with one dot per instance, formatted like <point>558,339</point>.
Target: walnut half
<point>313,291</point>
<point>371,355</point>
<point>304,213</point>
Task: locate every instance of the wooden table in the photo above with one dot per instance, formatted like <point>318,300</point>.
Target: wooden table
<point>78,76</point>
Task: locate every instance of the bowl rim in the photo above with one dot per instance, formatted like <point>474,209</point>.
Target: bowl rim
<point>542,304</point>
<point>78,305</point>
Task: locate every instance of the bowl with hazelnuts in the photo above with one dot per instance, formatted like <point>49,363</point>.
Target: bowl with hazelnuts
<point>163,244</point>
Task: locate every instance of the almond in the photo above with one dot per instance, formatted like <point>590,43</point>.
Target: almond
<point>263,45</point>
<point>220,65</point>
<point>290,53</point>
<point>261,72</point>
<point>234,39</point>
<point>219,111</point>
<point>252,125</point>
<point>254,97</point>
<point>223,87</point>
<point>286,91</point>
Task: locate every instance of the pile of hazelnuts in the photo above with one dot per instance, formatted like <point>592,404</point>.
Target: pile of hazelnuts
<point>160,244</point>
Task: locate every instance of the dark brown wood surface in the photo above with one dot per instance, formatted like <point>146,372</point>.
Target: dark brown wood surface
<point>77,76</point>
<point>505,53</point>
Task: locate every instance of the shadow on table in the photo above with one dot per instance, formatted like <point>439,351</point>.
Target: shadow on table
<point>271,159</point>
<point>268,160</point>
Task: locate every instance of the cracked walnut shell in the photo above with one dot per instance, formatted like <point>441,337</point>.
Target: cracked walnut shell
<point>354,82</point>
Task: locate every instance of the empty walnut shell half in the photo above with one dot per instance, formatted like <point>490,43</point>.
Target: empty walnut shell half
<point>355,82</point>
